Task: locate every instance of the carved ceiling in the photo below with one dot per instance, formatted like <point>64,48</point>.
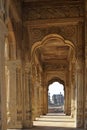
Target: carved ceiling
<point>54,55</point>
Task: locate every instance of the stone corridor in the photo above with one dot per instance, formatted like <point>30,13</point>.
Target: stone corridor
<point>41,42</point>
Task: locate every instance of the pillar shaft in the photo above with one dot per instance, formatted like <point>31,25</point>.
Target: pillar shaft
<point>80,95</point>
<point>85,90</point>
<point>11,95</point>
<point>2,76</point>
<point>27,98</point>
<point>66,100</point>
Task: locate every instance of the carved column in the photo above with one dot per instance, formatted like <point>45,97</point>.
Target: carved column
<point>27,97</point>
<point>85,90</point>
<point>42,99</point>
<point>34,92</point>
<point>69,100</point>
<point>68,93</point>
<point>73,90</point>
<point>40,94</point>
<point>19,96</point>
<point>80,93</point>
<point>36,100</point>
<point>66,100</point>
<point>45,98</point>
<point>11,94</point>
<point>3,32</point>
<point>85,93</point>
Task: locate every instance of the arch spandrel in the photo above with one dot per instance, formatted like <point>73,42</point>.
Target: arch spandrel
<point>55,79</point>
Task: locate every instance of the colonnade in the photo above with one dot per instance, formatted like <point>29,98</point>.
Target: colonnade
<point>24,92</point>
<point>25,103</point>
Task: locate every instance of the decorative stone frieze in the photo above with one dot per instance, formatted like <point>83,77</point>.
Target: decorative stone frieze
<point>52,12</point>
<point>67,31</point>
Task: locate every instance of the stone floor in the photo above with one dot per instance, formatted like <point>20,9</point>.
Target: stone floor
<point>54,122</point>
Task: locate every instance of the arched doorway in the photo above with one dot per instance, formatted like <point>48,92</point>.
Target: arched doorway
<point>56,98</point>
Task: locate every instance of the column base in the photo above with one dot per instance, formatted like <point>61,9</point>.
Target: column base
<point>80,123</point>
<point>27,124</point>
<point>15,125</point>
<point>85,125</point>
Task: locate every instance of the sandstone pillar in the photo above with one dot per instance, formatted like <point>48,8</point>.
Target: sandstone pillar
<point>3,122</point>
<point>36,101</point>
<point>85,90</point>
<point>19,96</point>
<point>80,93</point>
<point>11,94</point>
<point>45,98</point>
<point>40,93</point>
<point>73,90</point>
<point>41,98</point>
<point>69,100</point>
<point>66,100</point>
<point>27,97</point>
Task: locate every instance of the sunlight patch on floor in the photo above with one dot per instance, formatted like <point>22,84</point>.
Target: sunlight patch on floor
<point>55,120</point>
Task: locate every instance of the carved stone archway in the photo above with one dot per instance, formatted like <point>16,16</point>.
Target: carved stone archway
<point>50,51</point>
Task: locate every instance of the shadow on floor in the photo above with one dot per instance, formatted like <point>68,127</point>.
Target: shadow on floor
<point>51,128</point>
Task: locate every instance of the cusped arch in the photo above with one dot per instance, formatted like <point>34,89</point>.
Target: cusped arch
<point>47,39</point>
<point>55,79</point>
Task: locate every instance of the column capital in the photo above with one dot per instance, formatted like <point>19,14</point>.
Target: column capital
<point>3,30</point>
<point>13,63</point>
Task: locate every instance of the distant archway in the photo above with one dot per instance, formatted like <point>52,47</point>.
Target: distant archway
<point>56,97</point>
<point>56,88</point>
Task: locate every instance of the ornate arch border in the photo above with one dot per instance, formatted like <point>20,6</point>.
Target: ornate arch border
<point>55,79</point>
<point>46,39</point>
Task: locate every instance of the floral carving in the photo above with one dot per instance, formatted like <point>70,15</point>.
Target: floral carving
<point>67,31</point>
<point>52,12</point>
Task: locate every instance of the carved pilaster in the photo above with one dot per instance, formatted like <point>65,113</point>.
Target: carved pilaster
<point>45,101</point>
<point>35,88</point>
<point>19,96</point>
<point>73,90</point>
<point>85,90</point>
<point>80,99</point>
<point>67,101</point>
<point>11,94</point>
<point>3,32</point>
<point>27,96</point>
